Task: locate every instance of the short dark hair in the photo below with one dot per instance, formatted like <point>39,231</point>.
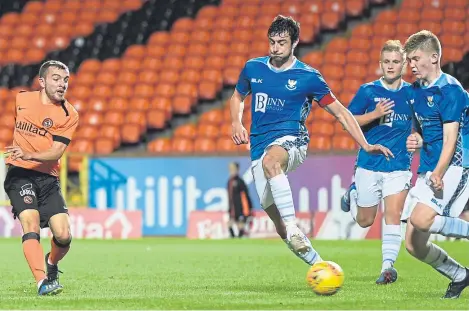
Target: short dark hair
<point>282,24</point>
<point>51,63</point>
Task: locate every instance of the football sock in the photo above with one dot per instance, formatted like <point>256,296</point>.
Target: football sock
<point>439,259</point>
<point>391,245</point>
<point>450,227</point>
<point>34,255</point>
<point>58,251</point>
<point>353,203</point>
<point>283,198</point>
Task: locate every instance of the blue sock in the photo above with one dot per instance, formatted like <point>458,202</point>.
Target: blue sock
<point>450,227</point>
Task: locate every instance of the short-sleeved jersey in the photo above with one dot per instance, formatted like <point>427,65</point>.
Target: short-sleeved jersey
<point>390,130</point>
<point>281,100</point>
<point>38,125</point>
<point>443,101</point>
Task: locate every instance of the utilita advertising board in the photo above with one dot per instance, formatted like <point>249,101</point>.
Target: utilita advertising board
<point>168,190</point>
<point>85,224</point>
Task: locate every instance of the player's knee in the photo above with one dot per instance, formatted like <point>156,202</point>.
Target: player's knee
<point>271,166</point>
<point>364,221</point>
<point>62,237</point>
<point>63,240</point>
<point>420,223</point>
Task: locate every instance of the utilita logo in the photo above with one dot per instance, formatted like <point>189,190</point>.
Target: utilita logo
<point>85,224</point>
<point>166,201</point>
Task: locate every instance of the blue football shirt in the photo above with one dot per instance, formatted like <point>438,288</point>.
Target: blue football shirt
<point>281,100</point>
<point>390,130</point>
<point>443,101</point>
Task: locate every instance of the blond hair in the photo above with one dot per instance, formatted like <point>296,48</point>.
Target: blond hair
<point>424,40</point>
<point>393,46</point>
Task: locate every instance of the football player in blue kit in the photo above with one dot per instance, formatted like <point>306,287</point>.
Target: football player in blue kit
<point>283,89</point>
<point>382,110</point>
<point>434,204</point>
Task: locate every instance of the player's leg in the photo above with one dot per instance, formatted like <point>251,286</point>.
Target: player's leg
<point>465,215</point>
<point>240,223</point>
<point>363,197</point>
<point>438,213</point>
<point>391,241</point>
<point>56,218</point>
<point>22,193</point>
<point>395,190</point>
<point>283,156</point>
<point>418,245</point>
<point>263,189</point>
<point>311,256</point>
<point>231,223</point>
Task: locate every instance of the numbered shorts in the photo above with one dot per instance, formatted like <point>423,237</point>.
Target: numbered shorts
<point>448,202</point>
<point>296,148</point>
<point>373,186</point>
<point>29,189</point>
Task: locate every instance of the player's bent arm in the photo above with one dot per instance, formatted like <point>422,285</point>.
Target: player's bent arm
<point>366,118</point>
<point>348,121</point>
<point>236,107</point>
<point>52,154</point>
<point>450,136</point>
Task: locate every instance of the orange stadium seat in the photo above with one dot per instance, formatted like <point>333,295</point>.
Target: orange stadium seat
<point>343,143</point>
<point>111,132</point>
<point>205,145</point>
<point>320,143</point>
<point>57,25</point>
<point>161,145</point>
<point>321,128</point>
<point>182,145</point>
<point>169,73</point>
<point>186,131</point>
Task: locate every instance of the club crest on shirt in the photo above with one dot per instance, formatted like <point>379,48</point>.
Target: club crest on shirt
<point>47,123</point>
<point>291,85</point>
<point>430,102</point>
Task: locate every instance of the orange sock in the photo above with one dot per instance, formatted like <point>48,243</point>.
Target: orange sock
<point>58,251</point>
<point>34,255</point>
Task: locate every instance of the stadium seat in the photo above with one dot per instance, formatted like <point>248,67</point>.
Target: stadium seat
<point>343,143</point>
<point>142,86</point>
<point>320,143</point>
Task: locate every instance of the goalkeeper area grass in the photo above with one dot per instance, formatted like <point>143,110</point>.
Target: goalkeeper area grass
<point>175,273</point>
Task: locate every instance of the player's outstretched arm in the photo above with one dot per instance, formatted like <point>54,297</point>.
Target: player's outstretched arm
<point>52,154</point>
<point>382,108</point>
<point>450,136</point>
<point>350,124</point>
<point>239,133</point>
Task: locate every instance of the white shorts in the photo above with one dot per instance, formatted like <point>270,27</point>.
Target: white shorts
<point>448,202</point>
<point>296,156</point>
<point>374,186</point>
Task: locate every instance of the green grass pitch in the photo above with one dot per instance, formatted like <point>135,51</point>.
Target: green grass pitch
<point>173,273</point>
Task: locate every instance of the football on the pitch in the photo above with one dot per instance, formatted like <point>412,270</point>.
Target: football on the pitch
<point>325,278</point>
